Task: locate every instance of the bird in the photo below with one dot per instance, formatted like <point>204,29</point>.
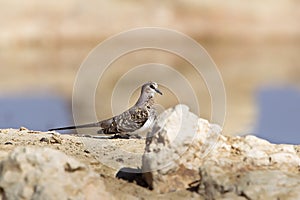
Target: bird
<point>140,117</point>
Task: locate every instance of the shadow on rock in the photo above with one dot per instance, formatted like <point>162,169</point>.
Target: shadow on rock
<point>132,175</point>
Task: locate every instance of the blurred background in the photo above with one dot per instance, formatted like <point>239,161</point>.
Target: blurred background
<point>255,44</point>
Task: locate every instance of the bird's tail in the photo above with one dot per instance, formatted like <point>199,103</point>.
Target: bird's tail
<point>75,127</point>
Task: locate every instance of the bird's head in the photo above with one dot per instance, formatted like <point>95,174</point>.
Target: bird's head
<point>150,89</point>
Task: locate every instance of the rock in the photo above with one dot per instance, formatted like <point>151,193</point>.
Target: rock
<point>23,128</point>
<point>184,151</point>
<point>216,183</point>
<point>175,148</point>
<point>44,173</point>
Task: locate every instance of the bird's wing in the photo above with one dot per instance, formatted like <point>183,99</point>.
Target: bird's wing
<point>132,119</point>
<point>108,126</point>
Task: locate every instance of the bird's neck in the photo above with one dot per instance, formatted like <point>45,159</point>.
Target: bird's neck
<point>145,101</point>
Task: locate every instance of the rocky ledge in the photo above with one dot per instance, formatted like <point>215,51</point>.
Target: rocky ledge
<point>184,157</point>
<point>186,152</point>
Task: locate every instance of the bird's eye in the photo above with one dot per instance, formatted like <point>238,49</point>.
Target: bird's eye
<point>152,87</point>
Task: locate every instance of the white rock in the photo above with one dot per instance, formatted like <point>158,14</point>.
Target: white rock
<point>185,151</point>
<point>44,173</point>
<point>285,158</point>
<point>269,184</point>
<point>178,138</point>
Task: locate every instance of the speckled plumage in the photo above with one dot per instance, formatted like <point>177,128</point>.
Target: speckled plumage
<point>139,117</point>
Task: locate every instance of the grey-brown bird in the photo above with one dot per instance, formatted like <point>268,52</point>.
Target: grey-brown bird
<point>139,117</point>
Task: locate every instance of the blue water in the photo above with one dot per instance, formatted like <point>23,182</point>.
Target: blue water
<point>278,120</point>
<point>34,111</point>
<point>279,114</point>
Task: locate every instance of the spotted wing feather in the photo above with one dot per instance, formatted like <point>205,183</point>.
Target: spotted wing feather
<point>131,120</point>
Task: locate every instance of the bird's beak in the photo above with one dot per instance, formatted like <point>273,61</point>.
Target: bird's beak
<point>159,92</point>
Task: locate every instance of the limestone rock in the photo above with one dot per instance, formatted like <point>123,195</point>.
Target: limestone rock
<point>252,168</point>
<point>184,151</point>
<point>175,148</point>
<point>218,182</point>
<point>44,173</point>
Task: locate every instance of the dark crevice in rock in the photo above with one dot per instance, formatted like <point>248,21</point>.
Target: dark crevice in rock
<point>68,168</point>
<point>194,186</point>
<point>242,194</point>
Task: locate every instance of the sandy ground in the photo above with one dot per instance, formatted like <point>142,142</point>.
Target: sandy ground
<point>105,156</point>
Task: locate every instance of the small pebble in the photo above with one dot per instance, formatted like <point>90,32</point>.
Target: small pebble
<point>43,139</point>
<point>55,139</point>
<point>120,160</point>
<point>23,129</point>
